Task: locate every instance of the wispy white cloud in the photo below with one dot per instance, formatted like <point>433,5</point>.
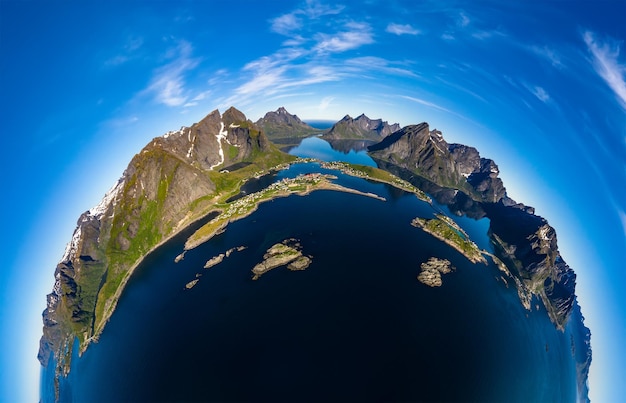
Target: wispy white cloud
<point>482,35</point>
<point>325,103</point>
<point>427,103</point>
<point>201,96</point>
<point>464,27</point>
<point>294,41</point>
<point>116,60</point>
<point>286,24</point>
<point>368,63</point>
<point>355,36</point>
<point>546,53</point>
<point>196,99</point>
<point>402,29</point>
<point>122,121</point>
<point>312,74</point>
<point>607,65</point>
<point>622,216</point>
<point>462,87</point>
<point>315,9</point>
<point>437,107</point>
<point>285,69</point>
<point>218,77</point>
<point>264,80</point>
<point>462,20</point>
<point>128,52</point>
<point>540,93</point>
<point>168,82</point>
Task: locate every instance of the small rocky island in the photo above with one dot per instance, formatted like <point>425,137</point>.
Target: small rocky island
<point>288,252</point>
<point>215,260</point>
<point>432,271</point>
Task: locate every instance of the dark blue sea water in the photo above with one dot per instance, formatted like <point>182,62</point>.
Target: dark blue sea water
<point>355,326</point>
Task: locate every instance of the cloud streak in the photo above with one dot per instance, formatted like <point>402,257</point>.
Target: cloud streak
<point>540,93</point>
<point>547,54</point>
<point>129,52</point>
<point>168,82</point>
<point>325,103</point>
<point>402,29</point>
<point>607,65</point>
<point>286,24</point>
<point>356,35</point>
<point>427,103</point>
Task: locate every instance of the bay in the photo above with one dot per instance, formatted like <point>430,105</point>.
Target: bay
<point>355,325</point>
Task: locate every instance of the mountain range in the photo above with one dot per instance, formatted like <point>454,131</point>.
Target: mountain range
<point>179,177</point>
<point>361,128</point>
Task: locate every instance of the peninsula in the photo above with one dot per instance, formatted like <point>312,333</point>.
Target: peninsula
<point>446,230</point>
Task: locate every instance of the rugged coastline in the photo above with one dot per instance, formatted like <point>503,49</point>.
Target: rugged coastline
<point>188,176</point>
<point>301,186</point>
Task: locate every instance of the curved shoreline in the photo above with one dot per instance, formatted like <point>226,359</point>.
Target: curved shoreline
<point>110,308</point>
<point>324,185</point>
<point>111,304</point>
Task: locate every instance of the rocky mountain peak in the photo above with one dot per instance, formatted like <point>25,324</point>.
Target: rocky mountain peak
<point>233,116</point>
<point>281,116</point>
<point>155,196</point>
<point>360,128</point>
<point>426,153</point>
<point>282,124</point>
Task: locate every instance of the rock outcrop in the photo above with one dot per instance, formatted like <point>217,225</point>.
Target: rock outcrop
<point>432,270</point>
<point>361,128</point>
<point>287,253</point>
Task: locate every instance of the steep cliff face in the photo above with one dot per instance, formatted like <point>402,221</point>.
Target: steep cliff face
<point>166,186</point>
<point>426,153</point>
<point>457,176</point>
<point>361,128</point>
<point>530,244</point>
<point>522,238</point>
<point>283,125</point>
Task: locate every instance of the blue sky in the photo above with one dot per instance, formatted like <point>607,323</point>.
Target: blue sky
<point>538,86</point>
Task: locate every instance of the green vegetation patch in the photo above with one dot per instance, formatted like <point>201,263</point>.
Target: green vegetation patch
<point>448,233</point>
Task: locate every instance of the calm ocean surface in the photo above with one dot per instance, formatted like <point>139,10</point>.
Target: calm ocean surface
<point>355,326</point>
